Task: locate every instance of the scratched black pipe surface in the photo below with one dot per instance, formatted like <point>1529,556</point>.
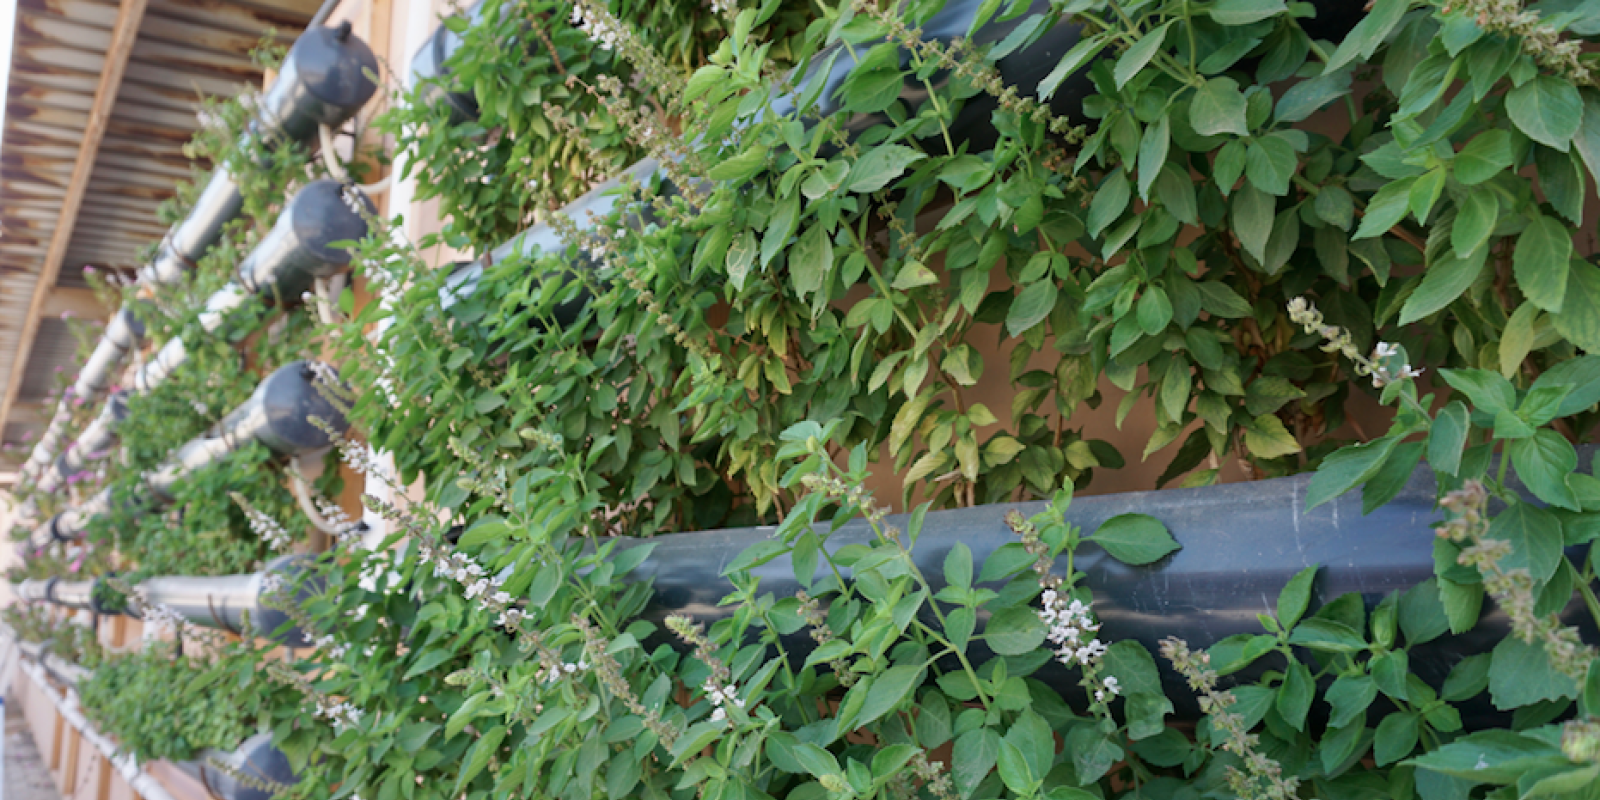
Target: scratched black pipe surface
<point>1241,543</point>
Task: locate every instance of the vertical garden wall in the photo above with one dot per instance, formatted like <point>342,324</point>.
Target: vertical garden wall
<point>771,436</point>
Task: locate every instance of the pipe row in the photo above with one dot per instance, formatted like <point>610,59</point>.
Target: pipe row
<point>225,602</point>
<point>325,79</point>
<point>279,415</point>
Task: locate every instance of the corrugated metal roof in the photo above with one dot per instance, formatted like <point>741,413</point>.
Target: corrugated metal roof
<point>185,49</point>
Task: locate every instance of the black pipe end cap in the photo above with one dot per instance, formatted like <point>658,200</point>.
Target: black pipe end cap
<point>339,69</point>
<point>291,398</point>
<point>322,214</point>
<point>257,761</point>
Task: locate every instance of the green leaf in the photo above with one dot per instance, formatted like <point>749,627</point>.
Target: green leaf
<point>880,165</point>
<point>1153,148</point>
<point>1350,696</point>
<point>1386,209</point>
<point>1014,631</point>
<point>1253,218</point>
<point>888,691</point>
<point>1309,96</point>
<point>810,260</point>
<point>1467,679</point>
<point>1548,109</point>
<point>1475,221</point>
<point>1495,756</point>
<point>1218,107</point>
<point>1487,390</point>
<point>427,661</point>
<point>1014,770</point>
<point>1031,306</point>
<point>1484,157</point>
<point>1133,666</point>
<point>1294,696</point>
<point>1447,437</point>
<point>1093,752</point>
<point>975,753</point>
<point>1269,163</point>
<point>958,566</point>
<point>741,254</point>
<point>1463,604</point>
<point>1154,311</point>
<point>1325,634</point>
<point>1346,468</point>
<point>1245,12</point>
<point>741,167</point>
<point>1073,61</point>
<point>1579,320</point>
<point>1364,39</point>
<point>1447,277</point>
<point>1543,462</point>
<point>1266,437</point>
<point>1395,738</point>
<point>1135,539</point>
<point>1295,597</point>
<point>1268,393</point>
<point>478,758</point>
<point>1541,262</point>
<point>1136,57</point>
<point>488,529</point>
<point>1108,202</point>
<point>1520,674</point>
<point>1535,537</point>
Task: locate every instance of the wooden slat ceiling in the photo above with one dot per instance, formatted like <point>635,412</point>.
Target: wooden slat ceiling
<point>184,49</point>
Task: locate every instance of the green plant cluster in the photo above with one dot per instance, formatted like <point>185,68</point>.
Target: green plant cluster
<point>1253,225</point>
<point>187,704</point>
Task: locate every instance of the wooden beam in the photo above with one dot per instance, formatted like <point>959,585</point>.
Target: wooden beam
<point>129,16</point>
<point>77,301</point>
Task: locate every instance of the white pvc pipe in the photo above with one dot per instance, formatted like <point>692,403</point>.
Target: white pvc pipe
<point>146,786</point>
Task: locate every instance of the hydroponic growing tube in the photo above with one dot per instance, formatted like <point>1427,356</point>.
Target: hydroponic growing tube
<point>283,265</point>
<point>1024,68</point>
<point>1242,544</point>
<point>293,255</point>
<point>325,79</point>
<point>226,602</point>
<point>278,415</point>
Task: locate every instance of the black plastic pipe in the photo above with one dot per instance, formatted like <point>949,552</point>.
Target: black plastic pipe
<point>1023,69</point>
<point>325,79</point>
<point>283,265</point>
<point>1241,545</point>
<point>229,602</point>
<point>261,764</point>
<point>226,602</point>
<point>278,415</point>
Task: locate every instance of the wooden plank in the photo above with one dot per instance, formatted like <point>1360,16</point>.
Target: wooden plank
<point>123,36</point>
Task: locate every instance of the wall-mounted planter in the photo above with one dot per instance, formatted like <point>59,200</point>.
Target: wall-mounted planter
<point>224,602</point>
<point>325,80</point>
<point>1242,544</point>
<point>278,415</point>
<point>430,75</point>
